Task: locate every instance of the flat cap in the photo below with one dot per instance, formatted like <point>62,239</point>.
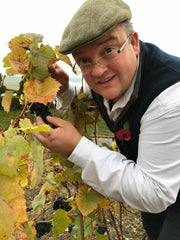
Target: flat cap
<point>93,20</point>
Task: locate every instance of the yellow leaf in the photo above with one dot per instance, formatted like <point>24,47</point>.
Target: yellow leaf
<point>27,127</point>
<point>1,140</point>
<point>19,61</point>
<point>62,57</point>
<point>20,41</point>
<point>13,207</point>
<point>43,91</point>
<point>82,95</point>
<point>6,101</point>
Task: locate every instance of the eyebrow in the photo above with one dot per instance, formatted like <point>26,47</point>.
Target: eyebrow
<point>107,40</point>
<point>99,44</point>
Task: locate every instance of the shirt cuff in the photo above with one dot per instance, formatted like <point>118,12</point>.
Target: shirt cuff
<point>82,152</point>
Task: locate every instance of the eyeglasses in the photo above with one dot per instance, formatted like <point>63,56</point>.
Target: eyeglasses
<point>86,66</point>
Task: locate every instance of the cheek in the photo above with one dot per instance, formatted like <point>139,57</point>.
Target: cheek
<point>89,81</point>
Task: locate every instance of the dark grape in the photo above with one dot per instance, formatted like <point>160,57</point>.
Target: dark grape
<point>39,109</point>
<point>101,229</point>
<point>62,204</point>
<point>42,228</point>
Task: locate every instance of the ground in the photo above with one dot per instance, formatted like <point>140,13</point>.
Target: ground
<point>131,221</point>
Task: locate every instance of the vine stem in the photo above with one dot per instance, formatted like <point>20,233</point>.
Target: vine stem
<point>82,226</point>
<point>120,218</point>
<point>130,210</point>
<point>2,81</point>
<point>35,218</point>
<point>16,121</point>
<point>64,236</point>
<point>115,226</point>
<point>105,223</point>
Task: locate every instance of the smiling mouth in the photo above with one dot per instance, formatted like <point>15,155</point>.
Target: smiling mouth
<point>106,80</point>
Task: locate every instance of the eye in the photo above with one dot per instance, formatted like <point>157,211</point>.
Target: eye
<point>109,50</point>
<point>84,61</point>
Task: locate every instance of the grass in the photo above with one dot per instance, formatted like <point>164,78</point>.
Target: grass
<point>6,118</point>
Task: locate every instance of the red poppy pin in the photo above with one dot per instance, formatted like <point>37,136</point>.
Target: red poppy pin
<point>124,134</point>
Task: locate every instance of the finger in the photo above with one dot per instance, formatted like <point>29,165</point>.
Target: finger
<point>39,121</point>
<point>55,121</point>
<point>41,138</point>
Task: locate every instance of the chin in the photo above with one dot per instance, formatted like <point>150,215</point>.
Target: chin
<point>111,96</point>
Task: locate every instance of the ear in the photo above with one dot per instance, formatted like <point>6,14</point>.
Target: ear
<point>135,43</point>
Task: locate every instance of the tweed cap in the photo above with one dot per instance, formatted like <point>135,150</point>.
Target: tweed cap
<point>93,20</point>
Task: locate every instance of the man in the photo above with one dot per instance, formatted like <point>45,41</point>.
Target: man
<point>136,87</point>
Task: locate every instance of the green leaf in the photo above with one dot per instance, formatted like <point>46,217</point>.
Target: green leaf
<point>11,132</point>
<point>76,230</point>
<point>100,236</point>
<point>37,156</point>
<point>40,72</point>
<point>41,56</point>
<point>34,37</point>
<point>6,61</point>
<point>69,175</point>
<point>11,153</point>
<point>87,199</point>
<point>60,222</point>
<point>17,147</point>
<point>39,202</point>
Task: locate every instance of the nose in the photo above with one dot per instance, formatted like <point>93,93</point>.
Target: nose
<point>98,69</point>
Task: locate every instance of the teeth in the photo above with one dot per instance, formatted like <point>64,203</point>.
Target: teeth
<point>105,80</point>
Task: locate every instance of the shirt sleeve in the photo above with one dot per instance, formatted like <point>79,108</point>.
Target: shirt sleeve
<point>151,184</point>
<point>63,100</point>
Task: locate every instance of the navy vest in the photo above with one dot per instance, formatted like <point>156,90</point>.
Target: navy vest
<point>157,71</point>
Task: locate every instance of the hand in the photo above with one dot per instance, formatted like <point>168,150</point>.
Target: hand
<point>60,75</point>
<point>61,140</point>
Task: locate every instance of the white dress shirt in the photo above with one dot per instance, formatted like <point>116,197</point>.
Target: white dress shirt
<point>151,184</point>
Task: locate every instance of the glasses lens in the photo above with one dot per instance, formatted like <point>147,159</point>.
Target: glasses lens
<point>86,68</point>
<point>76,70</point>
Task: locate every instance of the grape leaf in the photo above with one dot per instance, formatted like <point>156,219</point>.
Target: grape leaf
<point>10,133</point>
<point>39,202</point>
<point>100,236</point>
<point>41,91</point>
<point>14,149</point>
<point>23,175</point>
<point>30,230</point>
<point>17,60</point>
<point>82,95</point>
<point>13,207</point>
<point>40,72</point>
<point>6,100</point>
<point>60,222</point>
<point>37,156</point>
<point>27,127</point>
<point>1,140</point>
<point>33,37</point>
<point>88,200</point>
<point>68,175</point>
<point>20,41</point>
<point>41,56</point>
<point>62,57</point>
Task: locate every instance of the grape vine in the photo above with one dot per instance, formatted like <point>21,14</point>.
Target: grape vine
<point>23,161</point>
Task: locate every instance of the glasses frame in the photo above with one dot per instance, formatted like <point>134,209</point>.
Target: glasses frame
<point>78,71</point>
